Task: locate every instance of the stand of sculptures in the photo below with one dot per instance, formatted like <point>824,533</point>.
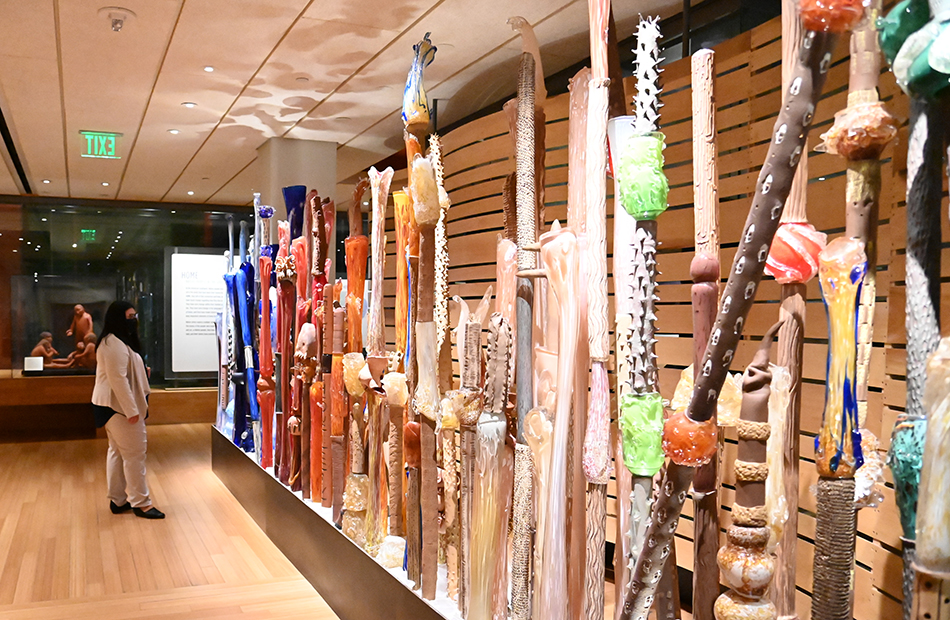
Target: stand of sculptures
<point>501,474</point>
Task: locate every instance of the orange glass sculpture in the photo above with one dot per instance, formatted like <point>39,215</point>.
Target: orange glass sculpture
<point>793,257</point>
<point>357,249</point>
<point>861,131</point>
<point>834,16</point>
<point>405,223</point>
<point>688,442</point>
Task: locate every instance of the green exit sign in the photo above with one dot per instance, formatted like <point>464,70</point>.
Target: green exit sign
<point>88,234</point>
<point>100,144</point>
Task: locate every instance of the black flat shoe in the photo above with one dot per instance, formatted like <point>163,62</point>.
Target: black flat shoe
<point>151,513</point>
<point>119,509</point>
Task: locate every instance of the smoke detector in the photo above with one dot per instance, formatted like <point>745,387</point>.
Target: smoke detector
<point>117,16</point>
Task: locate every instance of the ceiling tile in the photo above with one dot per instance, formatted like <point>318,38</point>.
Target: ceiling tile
<point>233,36</point>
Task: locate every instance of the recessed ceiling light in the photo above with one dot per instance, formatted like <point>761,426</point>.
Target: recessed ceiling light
<point>174,132</point>
<point>209,68</point>
<point>14,251</point>
<point>174,212</point>
<point>29,243</point>
<point>120,232</point>
<point>821,178</point>
<point>303,79</point>
<point>43,219</point>
<point>365,203</point>
<point>190,193</point>
<point>75,245</point>
<point>52,210</point>
<point>45,181</point>
<point>105,184</point>
<point>189,104</point>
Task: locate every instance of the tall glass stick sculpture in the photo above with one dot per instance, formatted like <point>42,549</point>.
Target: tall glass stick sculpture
<point>597,436</point>
<point>492,503</point>
<point>286,300</point>
<point>910,43</point>
<point>859,134</point>
<point>705,271</point>
<point>376,359</point>
<point>559,255</point>
<point>415,118</point>
<point>526,209</point>
<point>689,437</point>
<point>842,266</point>
<point>425,198</point>
<point>636,153</point>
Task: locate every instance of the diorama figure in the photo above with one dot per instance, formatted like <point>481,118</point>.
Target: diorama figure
<point>44,348</point>
<point>81,325</point>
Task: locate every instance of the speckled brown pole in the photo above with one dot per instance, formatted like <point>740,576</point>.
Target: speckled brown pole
<point>775,180</point>
<point>338,413</point>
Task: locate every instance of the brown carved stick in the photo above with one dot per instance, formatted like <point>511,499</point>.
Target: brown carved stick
<point>397,394</point>
<point>790,346</point>
<point>326,491</point>
<point>785,150</point>
<point>596,454</point>
<point>426,398</point>
<point>306,359</point>
<point>286,299</point>
<point>265,384</point>
<point>338,414</point>
<point>704,270</point>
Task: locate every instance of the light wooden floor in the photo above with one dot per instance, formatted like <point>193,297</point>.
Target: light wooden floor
<point>63,554</point>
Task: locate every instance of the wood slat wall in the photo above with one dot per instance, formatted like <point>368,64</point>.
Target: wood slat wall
<point>748,91</point>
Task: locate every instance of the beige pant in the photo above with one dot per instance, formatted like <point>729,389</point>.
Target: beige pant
<point>125,462</point>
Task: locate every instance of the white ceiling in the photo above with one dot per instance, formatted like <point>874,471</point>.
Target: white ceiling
<point>309,70</point>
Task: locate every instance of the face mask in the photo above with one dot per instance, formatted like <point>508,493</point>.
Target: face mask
<point>132,325</point>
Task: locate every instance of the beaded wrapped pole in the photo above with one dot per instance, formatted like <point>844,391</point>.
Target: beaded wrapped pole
<point>689,437</point>
<point>908,40</point>
<point>705,271</point>
<point>746,564</point>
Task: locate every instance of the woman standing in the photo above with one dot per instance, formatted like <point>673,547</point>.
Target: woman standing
<point>120,401</point>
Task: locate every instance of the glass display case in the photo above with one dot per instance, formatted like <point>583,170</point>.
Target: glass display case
<point>61,265</point>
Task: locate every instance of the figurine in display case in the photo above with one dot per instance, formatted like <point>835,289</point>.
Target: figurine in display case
<point>81,325</point>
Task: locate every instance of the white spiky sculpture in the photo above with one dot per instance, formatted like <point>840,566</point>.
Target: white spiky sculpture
<point>647,100</point>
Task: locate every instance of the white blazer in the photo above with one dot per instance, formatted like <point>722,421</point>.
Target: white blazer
<point>121,380</point>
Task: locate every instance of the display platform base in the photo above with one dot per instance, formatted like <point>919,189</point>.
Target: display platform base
<point>351,582</point>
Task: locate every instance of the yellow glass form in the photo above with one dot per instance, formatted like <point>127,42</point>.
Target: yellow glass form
<point>841,269</point>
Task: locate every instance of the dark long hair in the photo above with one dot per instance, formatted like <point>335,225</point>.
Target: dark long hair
<point>116,325</point>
